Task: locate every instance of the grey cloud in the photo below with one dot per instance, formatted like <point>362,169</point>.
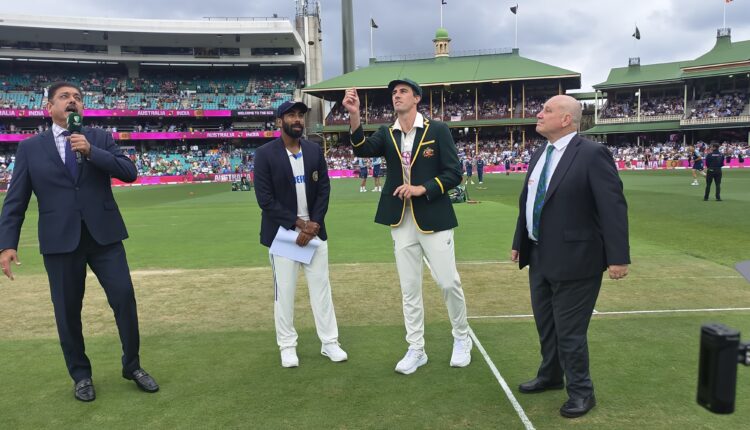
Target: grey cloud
<point>588,36</point>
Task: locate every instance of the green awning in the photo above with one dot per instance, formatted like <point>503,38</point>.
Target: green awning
<point>716,126</point>
<point>725,71</point>
<point>583,96</point>
<point>634,127</point>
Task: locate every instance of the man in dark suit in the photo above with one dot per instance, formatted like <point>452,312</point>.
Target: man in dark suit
<point>572,225</point>
<point>416,205</point>
<point>292,188</point>
<point>79,225</point>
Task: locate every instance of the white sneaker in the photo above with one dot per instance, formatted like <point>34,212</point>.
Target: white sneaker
<point>413,359</point>
<point>375,190</point>
<point>461,356</point>
<point>333,351</point>
<point>289,357</point>
<point>695,183</point>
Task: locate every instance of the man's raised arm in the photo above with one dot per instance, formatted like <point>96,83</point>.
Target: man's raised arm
<point>351,103</point>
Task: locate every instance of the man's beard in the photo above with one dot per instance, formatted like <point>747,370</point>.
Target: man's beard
<point>295,134</point>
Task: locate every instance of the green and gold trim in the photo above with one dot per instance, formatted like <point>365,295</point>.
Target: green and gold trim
<point>421,141</point>
<point>364,138</point>
<point>442,188</point>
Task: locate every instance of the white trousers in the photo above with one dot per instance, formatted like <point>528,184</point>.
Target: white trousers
<point>410,246</point>
<point>285,273</point>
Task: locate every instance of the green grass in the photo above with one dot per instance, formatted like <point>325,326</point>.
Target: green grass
<point>205,304</point>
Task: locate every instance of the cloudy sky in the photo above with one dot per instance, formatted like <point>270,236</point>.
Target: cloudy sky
<point>587,36</point>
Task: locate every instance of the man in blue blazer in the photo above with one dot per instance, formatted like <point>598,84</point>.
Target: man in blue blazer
<point>79,225</point>
<point>292,188</point>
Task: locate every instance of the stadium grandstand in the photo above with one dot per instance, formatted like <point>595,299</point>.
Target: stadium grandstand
<point>488,99</point>
<point>650,116</point>
<point>192,99</point>
<point>653,114</point>
<point>185,98</point>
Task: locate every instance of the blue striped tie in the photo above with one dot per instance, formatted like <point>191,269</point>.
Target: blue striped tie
<point>70,158</point>
<point>541,190</point>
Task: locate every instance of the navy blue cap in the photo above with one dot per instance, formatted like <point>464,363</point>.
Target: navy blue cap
<point>406,81</point>
<point>289,105</point>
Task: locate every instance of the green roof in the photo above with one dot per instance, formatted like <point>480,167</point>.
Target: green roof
<point>447,70</point>
<point>633,127</point>
<point>725,58</point>
<point>441,33</point>
<point>651,74</point>
<point>724,52</point>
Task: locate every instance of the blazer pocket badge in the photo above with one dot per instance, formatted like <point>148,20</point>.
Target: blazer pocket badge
<point>429,152</point>
<point>315,176</point>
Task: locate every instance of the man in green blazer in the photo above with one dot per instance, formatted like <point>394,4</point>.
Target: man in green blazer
<point>422,167</point>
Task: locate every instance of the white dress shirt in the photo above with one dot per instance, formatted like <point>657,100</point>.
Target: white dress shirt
<point>57,131</point>
<point>557,154</point>
<point>407,143</point>
<point>298,170</point>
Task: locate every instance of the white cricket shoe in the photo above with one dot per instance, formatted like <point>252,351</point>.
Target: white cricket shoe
<point>413,359</point>
<point>333,351</point>
<point>461,356</point>
<point>289,357</point>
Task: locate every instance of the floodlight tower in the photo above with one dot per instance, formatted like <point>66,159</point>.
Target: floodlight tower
<point>307,22</point>
<point>347,34</point>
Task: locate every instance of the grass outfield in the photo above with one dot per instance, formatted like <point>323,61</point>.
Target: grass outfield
<point>205,300</point>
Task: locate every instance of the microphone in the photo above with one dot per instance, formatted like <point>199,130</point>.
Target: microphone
<point>75,125</point>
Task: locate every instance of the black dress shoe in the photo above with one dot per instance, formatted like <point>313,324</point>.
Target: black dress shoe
<point>575,408</point>
<point>84,390</point>
<point>537,385</point>
<point>143,380</point>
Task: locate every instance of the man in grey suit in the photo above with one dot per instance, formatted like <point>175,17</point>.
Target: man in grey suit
<point>572,225</point>
<point>79,225</point>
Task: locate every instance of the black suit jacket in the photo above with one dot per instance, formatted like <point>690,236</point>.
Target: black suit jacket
<point>63,200</point>
<point>276,191</point>
<point>584,221</point>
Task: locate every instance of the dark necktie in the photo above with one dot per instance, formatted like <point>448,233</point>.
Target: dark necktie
<point>541,190</point>
<point>70,157</point>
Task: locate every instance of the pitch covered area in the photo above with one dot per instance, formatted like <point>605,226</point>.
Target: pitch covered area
<point>205,294</point>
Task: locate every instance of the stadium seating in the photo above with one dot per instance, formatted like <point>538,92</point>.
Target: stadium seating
<point>111,88</point>
<point>719,105</point>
